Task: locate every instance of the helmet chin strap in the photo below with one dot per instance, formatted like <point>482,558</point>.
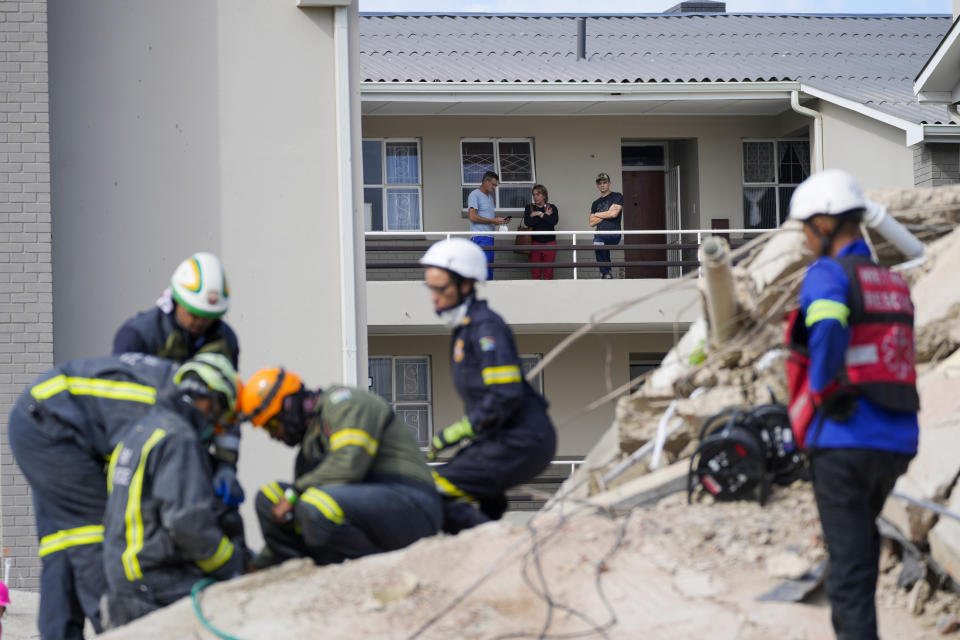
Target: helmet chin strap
<point>827,241</point>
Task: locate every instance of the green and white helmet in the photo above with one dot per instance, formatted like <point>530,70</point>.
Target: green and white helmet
<point>210,375</point>
<point>200,285</point>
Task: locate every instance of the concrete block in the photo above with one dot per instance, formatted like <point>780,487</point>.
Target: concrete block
<point>645,489</point>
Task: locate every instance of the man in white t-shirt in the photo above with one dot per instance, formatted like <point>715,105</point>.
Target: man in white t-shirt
<point>483,216</point>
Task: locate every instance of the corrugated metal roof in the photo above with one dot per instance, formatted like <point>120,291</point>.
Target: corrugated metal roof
<point>869,59</point>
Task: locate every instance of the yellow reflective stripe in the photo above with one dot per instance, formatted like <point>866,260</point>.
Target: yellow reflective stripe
<point>272,491</point>
<point>65,538</point>
<point>501,375</point>
<point>112,466</point>
<point>324,503</point>
<point>446,488</point>
<point>113,389</point>
<point>346,437</point>
<point>221,555</point>
<point>824,309</point>
<point>132,517</point>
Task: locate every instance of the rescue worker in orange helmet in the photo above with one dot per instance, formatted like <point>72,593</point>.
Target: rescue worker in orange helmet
<point>361,484</point>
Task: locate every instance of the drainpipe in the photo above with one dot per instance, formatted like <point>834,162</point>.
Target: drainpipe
<point>347,237</point>
<point>817,160</point>
<point>876,217</point>
<point>718,290</point>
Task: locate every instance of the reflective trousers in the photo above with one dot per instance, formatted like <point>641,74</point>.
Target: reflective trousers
<point>333,523</point>
<point>484,470</point>
<point>69,496</point>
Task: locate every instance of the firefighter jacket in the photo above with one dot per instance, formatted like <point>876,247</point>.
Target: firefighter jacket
<point>859,317</point>
<point>161,528</point>
<point>488,375</point>
<point>353,436</point>
<point>157,333</point>
<point>96,397</point>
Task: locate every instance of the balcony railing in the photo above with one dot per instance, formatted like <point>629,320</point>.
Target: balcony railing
<point>663,253</point>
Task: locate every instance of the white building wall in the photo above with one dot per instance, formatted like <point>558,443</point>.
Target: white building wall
<point>26,299</point>
<point>177,126</point>
<point>875,153</point>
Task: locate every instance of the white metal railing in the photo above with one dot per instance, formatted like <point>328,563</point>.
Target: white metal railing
<point>573,235</point>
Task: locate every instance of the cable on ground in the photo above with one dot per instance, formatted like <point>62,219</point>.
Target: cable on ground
<point>195,598</point>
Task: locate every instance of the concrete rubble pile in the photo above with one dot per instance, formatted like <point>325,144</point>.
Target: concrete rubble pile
<point>703,375</point>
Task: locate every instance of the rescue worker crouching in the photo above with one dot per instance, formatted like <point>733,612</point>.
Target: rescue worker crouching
<point>61,431</point>
<point>361,485</point>
<point>511,438</point>
<point>857,318</point>
<point>187,320</point>
<point>161,527</point>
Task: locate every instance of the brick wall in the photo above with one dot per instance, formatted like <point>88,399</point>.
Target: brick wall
<point>26,288</point>
<point>935,165</point>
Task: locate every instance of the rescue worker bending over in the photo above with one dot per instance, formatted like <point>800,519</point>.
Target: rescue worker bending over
<point>361,484</point>
<point>161,524</point>
<point>511,438</point>
<point>187,320</point>
<point>858,318</point>
<point>62,430</point>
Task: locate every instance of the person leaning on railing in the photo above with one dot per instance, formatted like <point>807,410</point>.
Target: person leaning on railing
<point>541,215</point>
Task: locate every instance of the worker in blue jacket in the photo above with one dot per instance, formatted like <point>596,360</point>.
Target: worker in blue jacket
<point>508,435</point>
<point>858,318</point>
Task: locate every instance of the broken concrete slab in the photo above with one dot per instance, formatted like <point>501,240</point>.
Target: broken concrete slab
<point>645,489</point>
<point>944,540</point>
<point>933,471</point>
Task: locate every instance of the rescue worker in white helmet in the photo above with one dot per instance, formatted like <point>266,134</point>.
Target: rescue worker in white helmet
<point>361,485</point>
<point>161,525</point>
<point>855,323</point>
<point>187,320</point>
<point>61,430</point>
<point>508,436</point>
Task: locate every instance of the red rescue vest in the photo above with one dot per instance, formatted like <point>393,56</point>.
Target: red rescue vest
<point>880,356</point>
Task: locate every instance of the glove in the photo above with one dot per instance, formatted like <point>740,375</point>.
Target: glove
<point>459,430</point>
<point>227,487</point>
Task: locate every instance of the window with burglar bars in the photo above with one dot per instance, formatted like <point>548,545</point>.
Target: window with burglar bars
<point>510,158</point>
<point>528,362</point>
<point>392,185</point>
<point>404,382</point>
<point>772,169</point>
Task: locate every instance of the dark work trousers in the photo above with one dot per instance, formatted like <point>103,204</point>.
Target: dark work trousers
<point>603,255</point>
<point>850,487</point>
<point>69,496</point>
<point>333,523</point>
<point>483,242</point>
<point>483,471</point>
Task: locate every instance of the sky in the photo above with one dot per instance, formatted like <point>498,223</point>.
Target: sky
<point>657,6</point>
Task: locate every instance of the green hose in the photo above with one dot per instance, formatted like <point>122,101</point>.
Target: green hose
<point>195,597</point>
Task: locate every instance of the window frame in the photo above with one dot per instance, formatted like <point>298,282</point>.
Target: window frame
<point>497,169</point>
<point>538,383</point>
<point>776,184</point>
<point>384,185</point>
<point>394,403</point>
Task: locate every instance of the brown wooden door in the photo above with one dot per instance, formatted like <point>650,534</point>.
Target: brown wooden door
<point>644,207</point>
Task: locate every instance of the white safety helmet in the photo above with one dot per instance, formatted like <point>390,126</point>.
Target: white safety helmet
<point>832,192</point>
<point>200,285</point>
<point>458,255</point>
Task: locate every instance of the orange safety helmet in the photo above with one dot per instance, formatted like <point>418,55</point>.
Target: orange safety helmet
<point>263,394</point>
